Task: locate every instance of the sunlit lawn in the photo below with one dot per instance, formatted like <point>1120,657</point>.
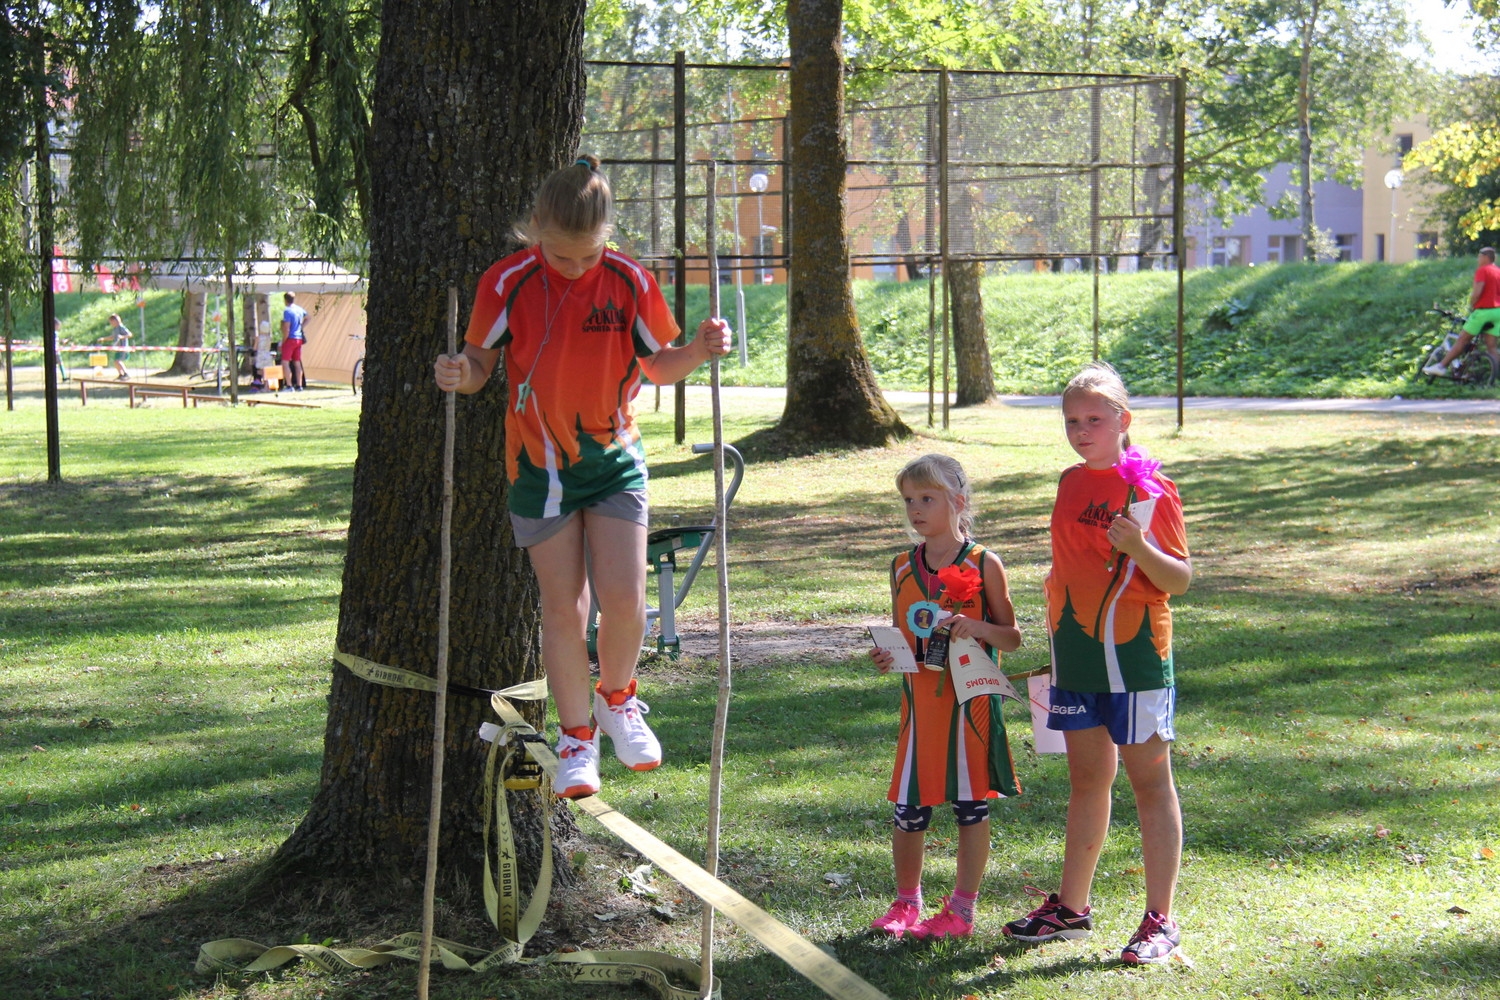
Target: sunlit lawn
<point>167,614</point>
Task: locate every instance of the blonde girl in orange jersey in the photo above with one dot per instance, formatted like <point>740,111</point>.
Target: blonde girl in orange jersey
<point>1113,694</point>
<point>579,324</point>
<point>947,750</point>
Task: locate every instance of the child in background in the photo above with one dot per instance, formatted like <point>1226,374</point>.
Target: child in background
<point>579,324</point>
<point>1112,684</point>
<point>119,338</point>
<point>946,751</point>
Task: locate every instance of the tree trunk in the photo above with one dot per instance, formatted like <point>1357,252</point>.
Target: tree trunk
<point>831,395</point>
<point>1304,134</point>
<point>474,104</point>
<point>971,349</point>
<point>189,335</point>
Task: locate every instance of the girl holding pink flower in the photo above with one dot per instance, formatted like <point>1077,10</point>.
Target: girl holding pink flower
<point>948,749</point>
<point>1118,552</point>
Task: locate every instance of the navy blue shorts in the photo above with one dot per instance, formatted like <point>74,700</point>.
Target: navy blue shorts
<point>1131,717</point>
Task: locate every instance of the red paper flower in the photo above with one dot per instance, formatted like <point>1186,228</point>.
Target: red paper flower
<point>959,583</point>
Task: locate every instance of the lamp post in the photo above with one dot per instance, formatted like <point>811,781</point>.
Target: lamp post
<point>759,181</point>
<point>1393,179</point>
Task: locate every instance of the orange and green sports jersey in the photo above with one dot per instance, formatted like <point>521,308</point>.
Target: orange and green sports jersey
<point>1111,626</point>
<point>571,363</point>
<point>946,751</point>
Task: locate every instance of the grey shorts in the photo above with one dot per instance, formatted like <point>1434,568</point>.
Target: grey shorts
<point>627,505</point>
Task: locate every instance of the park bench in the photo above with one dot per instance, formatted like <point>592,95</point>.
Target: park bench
<point>212,397</point>
<point>183,392</point>
<point>662,549</point>
<point>130,386</point>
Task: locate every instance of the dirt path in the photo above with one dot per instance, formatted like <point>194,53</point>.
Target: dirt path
<point>765,642</point>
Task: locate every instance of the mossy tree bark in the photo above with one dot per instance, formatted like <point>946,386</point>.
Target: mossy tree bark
<point>971,348</point>
<point>831,395</point>
<point>474,104</point>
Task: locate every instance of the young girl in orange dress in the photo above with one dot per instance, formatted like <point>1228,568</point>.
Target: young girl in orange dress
<point>1118,552</point>
<point>579,324</point>
<point>947,750</point>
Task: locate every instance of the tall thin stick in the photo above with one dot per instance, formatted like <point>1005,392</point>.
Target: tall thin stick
<point>440,709</point>
<point>721,556</point>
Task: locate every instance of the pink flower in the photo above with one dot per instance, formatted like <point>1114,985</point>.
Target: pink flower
<point>1139,471</point>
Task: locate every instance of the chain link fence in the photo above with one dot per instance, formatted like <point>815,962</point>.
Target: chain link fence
<point>1014,171</point>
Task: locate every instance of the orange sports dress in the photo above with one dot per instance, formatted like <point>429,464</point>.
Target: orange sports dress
<point>570,433</point>
<point>1111,627</point>
<point>945,751</point>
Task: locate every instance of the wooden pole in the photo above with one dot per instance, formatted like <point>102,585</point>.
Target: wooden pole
<point>440,709</point>
<point>721,557</point>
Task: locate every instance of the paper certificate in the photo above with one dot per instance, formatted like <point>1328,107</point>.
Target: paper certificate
<point>974,673</point>
<point>887,637</point>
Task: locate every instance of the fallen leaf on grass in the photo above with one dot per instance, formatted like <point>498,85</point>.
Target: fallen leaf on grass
<point>1381,831</point>
<point>606,917</point>
<point>836,878</point>
<point>1486,853</point>
<point>1458,910</point>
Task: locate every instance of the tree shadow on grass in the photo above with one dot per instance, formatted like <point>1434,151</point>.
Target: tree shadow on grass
<point>155,542</point>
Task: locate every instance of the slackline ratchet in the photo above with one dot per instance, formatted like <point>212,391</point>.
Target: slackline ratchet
<point>520,758</point>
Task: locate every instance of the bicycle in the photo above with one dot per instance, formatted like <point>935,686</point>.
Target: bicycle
<point>211,363</point>
<point>357,377</point>
<point>1473,367</point>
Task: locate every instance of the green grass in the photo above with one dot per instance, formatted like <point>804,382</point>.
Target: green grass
<point>85,322</point>
<point>1344,330</point>
<point>167,614</point>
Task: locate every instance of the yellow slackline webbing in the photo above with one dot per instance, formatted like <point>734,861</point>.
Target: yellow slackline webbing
<point>670,977</point>
<point>798,952</point>
<point>828,974</point>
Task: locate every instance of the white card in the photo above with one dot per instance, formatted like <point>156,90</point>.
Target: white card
<point>1045,740</point>
<point>890,638</point>
<point>1141,511</point>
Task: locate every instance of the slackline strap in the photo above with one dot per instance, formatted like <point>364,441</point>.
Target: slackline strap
<point>516,741</point>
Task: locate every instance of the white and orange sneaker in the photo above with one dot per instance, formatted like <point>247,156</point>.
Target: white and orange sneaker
<point>577,764</point>
<point>620,715</point>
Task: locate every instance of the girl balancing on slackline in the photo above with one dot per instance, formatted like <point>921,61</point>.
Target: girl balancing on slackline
<point>948,749</point>
<point>579,325</point>
<point>1118,551</point>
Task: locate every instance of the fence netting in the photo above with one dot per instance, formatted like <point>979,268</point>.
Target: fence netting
<point>1028,169</point>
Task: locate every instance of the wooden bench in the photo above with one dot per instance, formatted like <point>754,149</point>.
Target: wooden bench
<point>183,392</point>
<point>212,397</point>
<point>129,386</point>
<point>261,401</point>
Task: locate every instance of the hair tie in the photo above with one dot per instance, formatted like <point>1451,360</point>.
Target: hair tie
<point>582,161</point>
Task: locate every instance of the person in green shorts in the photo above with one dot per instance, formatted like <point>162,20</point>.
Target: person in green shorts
<point>1484,314</point>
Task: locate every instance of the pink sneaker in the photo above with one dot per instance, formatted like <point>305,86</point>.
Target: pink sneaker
<point>944,924</point>
<point>897,919</point>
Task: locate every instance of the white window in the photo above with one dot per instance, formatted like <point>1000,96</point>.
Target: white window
<point>1282,249</point>
<point>1229,250</point>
